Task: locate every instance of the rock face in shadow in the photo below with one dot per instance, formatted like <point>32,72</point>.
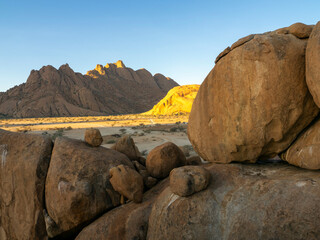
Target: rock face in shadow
<point>112,89</point>
<point>305,151</point>
<point>312,64</point>
<point>23,168</point>
<point>77,185</point>
<point>254,102</point>
<point>242,202</point>
<point>130,221</point>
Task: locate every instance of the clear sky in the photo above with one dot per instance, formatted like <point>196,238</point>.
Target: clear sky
<point>179,39</point>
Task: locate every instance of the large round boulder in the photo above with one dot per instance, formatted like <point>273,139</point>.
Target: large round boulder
<point>78,187</point>
<point>254,102</point>
<point>313,62</point>
<point>162,159</point>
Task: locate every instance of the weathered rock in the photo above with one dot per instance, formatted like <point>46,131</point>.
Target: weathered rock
<point>127,182</point>
<point>274,201</point>
<point>77,185</point>
<point>127,146</point>
<point>312,64</point>
<point>142,160</point>
<point>162,159</point>
<point>24,163</point>
<point>305,151</point>
<point>222,54</point>
<point>194,160</point>
<point>254,102</point>
<point>93,137</point>
<point>138,166</point>
<point>188,180</point>
<point>242,41</point>
<point>300,30</point>
<point>130,221</point>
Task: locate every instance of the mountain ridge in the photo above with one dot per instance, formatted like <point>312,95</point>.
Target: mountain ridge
<point>51,92</point>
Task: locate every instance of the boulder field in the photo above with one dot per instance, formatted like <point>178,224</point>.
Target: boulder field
<point>259,101</point>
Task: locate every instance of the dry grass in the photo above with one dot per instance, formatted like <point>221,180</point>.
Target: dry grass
<point>68,123</point>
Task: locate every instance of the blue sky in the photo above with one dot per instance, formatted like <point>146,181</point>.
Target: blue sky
<point>179,39</point>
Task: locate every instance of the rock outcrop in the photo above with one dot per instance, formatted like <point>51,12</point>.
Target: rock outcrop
<point>77,185</point>
<point>178,100</point>
<point>254,102</point>
<point>162,159</point>
<point>312,63</point>
<point>305,151</point>
<point>23,168</point>
<point>113,89</point>
<point>242,202</point>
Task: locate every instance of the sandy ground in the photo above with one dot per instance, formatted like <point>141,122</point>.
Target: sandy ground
<point>146,131</point>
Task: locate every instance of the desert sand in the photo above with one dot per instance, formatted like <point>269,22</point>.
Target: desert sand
<point>147,131</point>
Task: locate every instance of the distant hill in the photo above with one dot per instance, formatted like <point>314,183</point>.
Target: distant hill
<point>178,100</point>
<point>106,90</point>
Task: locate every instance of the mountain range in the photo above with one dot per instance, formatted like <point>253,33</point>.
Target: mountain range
<point>107,90</point>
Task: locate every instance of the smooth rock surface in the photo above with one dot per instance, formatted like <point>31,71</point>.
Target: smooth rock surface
<point>254,102</point>
<point>305,151</point>
<point>77,186</point>
<point>271,201</point>
<point>93,137</point>
<point>162,159</point>
<point>128,182</point>
<point>127,146</point>
<point>187,180</point>
<point>127,222</point>
<point>312,64</point>
<point>23,168</point>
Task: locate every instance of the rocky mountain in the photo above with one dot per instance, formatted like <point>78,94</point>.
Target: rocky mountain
<point>110,89</point>
<point>178,100</point>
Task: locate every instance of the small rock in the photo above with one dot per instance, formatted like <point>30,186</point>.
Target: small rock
<point>138,166</point>
<point>127,146</point>
<point>162,159</point>
<point>300,30</point>
<point>127,182</point>
<point>93,137</point>
<point>150,182</point>
<point>194,160</point>
<point>187,180</point>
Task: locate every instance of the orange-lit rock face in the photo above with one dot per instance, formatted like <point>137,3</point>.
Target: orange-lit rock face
<point>178,100</point>
<point>254,102</point>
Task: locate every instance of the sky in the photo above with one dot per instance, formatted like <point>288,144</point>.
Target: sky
<point>179,39</point>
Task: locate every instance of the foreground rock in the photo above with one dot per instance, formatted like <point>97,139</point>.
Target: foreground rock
<point>254,102</point>
<point>77,185</point>
<point>305,151</point>
<point>312,64</point>
<point>24,163</point>
<point>162,159</point>
<point>128,182</point>
<point>93,137</point>
<point>130,221</point>
<point>185,181</point>
<point>127,146</point>
<point>274,201</point>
